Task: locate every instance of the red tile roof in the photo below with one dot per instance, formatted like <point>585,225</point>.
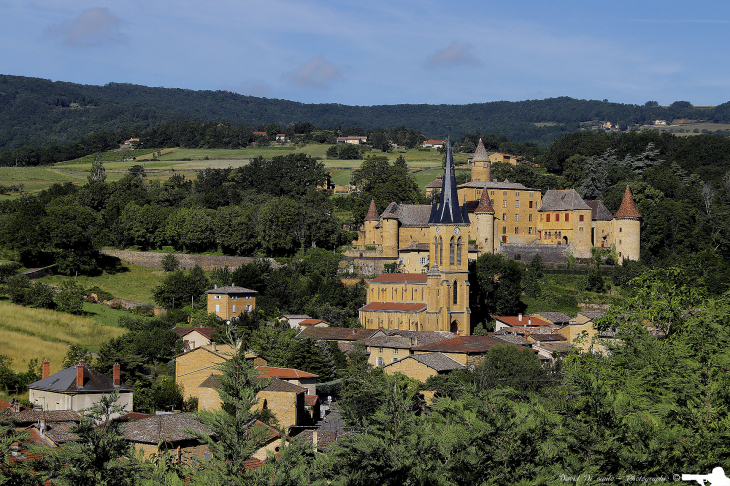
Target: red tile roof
<point>628,207</point>
<point>372,212</point>
<point>395,306</point>
<point>413,278</point>
<point>311,322</point>
<point>205,331</point>
<point>462,344</point>
<point>311,400</point>
<point>514,321</point>
<point>485,204</point>
<point>285,373</point>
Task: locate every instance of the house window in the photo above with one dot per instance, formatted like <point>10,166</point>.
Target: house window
<point>557,217</point>
<point>504,230</point>
<point>217,297</point>
<point>217,308</point>
<point>580,229</point>
<point>379,362</point>
<point>547,218</point>
<point>517,193</point>
<point>395,350</point>
<point>491,193</point>
<point>529,230</point>
<point>620,230</point>
<point>517,217</point>
<point>249,308</point>
<point>424,260</point>
<point>504,216</point>
<point>531,195</point>
<point>234,297</point>
<point>529,218</point>
<point>580,217</point>
<point>504,193</point>
<point>249,297</point>
<point>380,350</point>
<point>234,308</point>
<point>567,216</point>
<point>529,204</point>
<point>517,203</point>
<point>393,360</point>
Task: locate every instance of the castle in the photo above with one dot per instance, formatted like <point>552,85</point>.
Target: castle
<point>496,215</point>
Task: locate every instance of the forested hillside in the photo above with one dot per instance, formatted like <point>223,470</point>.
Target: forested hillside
<point>39,112</point>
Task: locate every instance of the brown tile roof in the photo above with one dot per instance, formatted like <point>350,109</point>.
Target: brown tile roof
<point>409,215</point>
<point>512,339</point>
<point>286,373</point>
<point>437,184</point>
<point>485,204</point>
<point>60,432</point>
<point>205,331</point>
<point>231,289</point>
<point>559,347</point>
<point>372,212</point>
<point>415,246</point>
<point>461,344</point>
<point>164,428</point>
<point>284,386</point>
<point>553,317</point>
<point>311,322</point>
<point>563,200</point>
<point>436,361</point>
<point>412,278</point>
<point>480,154</point>
<point>628,207</point>
<point>135,416</point>
<point>592,315</point>
<point>547,337</point>
<point>523,330</point>
<point>389,342</point>
<point>423,337</point>
<point>311,400</point>
<point>514,321</point>
<point>30,416</point>
<point>599,212</point>
<point>337,333</point>
<point>211,382</point>
<point>394,307</point>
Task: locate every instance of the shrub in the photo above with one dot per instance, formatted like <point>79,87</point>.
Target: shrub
<point>170,263</point>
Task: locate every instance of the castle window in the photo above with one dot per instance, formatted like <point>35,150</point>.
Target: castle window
<point>504,203</point>
<point>531,195</point>
<point>504,193</point>
<point>529,218</point>
<point>517,203</point>
<point>529,204</point>
<point>620,230</point>
<point>517,217</point>
<point>580,229</point>
<point>580,217</point>
<point>504,216</point>
<point>547,216</point>
<point>517,230</point>
<point>452,248</point>
<point>504,230</point>
<point>491,193</point>
<point>395,350</point>
<point>557,217</point>
<point>529,230</point>
<point>567,216</point>
<point>517,193</point>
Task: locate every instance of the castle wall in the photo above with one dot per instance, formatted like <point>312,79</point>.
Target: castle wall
<point>626,234</point>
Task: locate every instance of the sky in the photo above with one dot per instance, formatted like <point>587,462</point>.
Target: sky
<point>380,52</point>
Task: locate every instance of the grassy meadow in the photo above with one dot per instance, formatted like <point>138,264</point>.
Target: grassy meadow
<point>45,334</point>
<point>135,283</point>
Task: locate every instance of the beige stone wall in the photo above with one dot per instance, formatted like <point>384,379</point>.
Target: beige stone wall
<point>411,261</point>
<point>412,369</point>
<point>192,368</point>
<point>188,455</point>
<point>460,357</point>
<point>187,261</point>
<point>481,171</point>
<point>282,404</point>
<point>626,233</point>
<point>588,341</point>
<point>396,292</point>
<point>393,320</point>
<point>209,399</point>
<point>62,401</point>
<point>515,213</point>
<point>602,235</point>
<point>565,228</point>
<point>272,446</point>
<point>387,355</point>
<point>196,340</point>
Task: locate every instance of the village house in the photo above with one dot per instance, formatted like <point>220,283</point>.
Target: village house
<point>432,144</point>
<point>354,139</point>
<point>313,323</point>
<point>502,322</point>
<point>423,366</point>
<point>343,336</point>
<point>230,302</point>
<point>77,388</point>
<point>293,320</point>
<point>467,350</point>
<point>396,344</point>
<point>195,336</point>
<point>170,433</point>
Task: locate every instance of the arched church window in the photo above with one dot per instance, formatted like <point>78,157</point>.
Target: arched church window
<point>458,252</point>
<point>452,247</point>
<point>456,292</point>
<point>441,251</point>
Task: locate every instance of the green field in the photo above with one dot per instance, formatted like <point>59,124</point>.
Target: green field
<point>45,334</point>
<point>137,283</point>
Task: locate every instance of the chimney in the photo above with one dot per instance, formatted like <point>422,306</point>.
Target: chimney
<point>212,343</point>
<point>519,317</point>
<point>117,375</point>
<point>46,369</point>
<point>215,286</point>
<point>529,322</point>
<point>80,374</point>
<point>315,438</point>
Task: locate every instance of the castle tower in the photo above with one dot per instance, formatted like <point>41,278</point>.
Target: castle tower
<point>482,168</point>
<point>371,221</point>
<point>448,285</point>
<point>484,214</point>
<point>626,229</point>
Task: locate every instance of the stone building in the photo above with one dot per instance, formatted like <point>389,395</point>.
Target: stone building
<point>230,302</point>
<point>495,215</point>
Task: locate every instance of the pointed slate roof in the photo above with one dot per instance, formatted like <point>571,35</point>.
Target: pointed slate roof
<point>564,200</point>
<point>485,204</point>
<point>480,154</point>
<point>448,211</point>
<point>628,207</point>
<point>65,382</point>
<point>372,212</point>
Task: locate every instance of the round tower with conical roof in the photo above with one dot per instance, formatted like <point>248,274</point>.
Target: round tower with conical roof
<point>627,229</point>
<point>481,166</point>
<point>372,237</point>
<point>484,215</point>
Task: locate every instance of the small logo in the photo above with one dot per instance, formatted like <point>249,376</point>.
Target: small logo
<point>717,478</point>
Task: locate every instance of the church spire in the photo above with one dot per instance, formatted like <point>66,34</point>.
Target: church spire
<point>448,211</point>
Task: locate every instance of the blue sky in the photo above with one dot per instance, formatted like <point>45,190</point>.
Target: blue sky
<point>381,52</point>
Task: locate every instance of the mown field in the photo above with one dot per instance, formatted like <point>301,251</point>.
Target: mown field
<point>45,334</point>
<point>188,161</point>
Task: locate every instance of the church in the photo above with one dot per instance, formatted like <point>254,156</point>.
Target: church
<point>433,244</point>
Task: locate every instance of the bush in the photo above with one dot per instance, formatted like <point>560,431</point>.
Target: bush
<point>101,295</point>
<point>70,298</point>
<point>170,263</point>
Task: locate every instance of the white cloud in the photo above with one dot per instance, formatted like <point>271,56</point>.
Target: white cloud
<point>316,73</point>
<point>454,55</point>
<point>93,27</point>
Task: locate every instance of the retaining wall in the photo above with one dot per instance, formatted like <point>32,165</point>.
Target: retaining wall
<point>187,261</point>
